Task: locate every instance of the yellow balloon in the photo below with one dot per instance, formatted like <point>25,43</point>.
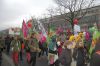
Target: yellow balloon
<point>71,38</point>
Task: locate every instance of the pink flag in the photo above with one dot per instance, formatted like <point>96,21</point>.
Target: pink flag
<point>24,29</point>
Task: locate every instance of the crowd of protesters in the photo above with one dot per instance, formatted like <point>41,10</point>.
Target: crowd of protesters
<point>61,49</point>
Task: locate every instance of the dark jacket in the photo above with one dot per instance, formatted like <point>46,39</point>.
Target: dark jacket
<point>7,41</point>
<point>66,57</point>
<point>95,60</point>
<point>27,48</point>
<point>2,44</point>
<point>80,56</point>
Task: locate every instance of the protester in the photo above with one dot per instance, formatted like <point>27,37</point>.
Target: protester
<point>53,53</point>
<point>15,45</point>
<point>40,46</point>
<point>27,48</point>
<point>34,48</point>
<point>66,55</point>
<point>7,43</point>
<point>95,58</point>
<point>81,51</point>
<point>22,49</point>
<point>60,44</point>
<point>1,48</point>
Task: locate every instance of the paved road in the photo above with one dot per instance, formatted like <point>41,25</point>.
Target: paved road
<point>7,61</point>
<point>40,62</point>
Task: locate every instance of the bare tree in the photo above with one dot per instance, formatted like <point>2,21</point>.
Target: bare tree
<point>72,9</point>
<point>51,13</point>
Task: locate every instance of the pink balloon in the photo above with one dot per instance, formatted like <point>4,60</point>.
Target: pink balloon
<point>75,21</point>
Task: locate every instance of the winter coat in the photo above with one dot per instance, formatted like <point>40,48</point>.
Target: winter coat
<point>16,46</point>
<point>95,60</point>
<point>27,48</point>
<point>53,54</point>
<point>7,41</point>
<point>60,48</point>
<point>80,56</point>
<point>34,45</point>
<point>2,44</point>
<point>52,44</point>
<point>66,57</point>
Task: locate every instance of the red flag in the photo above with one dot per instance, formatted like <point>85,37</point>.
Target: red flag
<point>24,29</point>
<point>30,23</point>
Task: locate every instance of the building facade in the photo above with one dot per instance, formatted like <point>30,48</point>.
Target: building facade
<point>92,16</point>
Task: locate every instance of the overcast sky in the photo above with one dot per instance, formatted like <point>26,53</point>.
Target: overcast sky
<point>12,12</point>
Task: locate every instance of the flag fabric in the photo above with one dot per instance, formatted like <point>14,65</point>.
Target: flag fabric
<point>24,29</point>
<point>96,35</point>
<point>29,23</point>
<point>42,29</point>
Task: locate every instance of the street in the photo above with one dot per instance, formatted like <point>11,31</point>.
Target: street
<point>7,61</point>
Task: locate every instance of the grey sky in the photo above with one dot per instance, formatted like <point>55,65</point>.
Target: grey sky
<point>12,12</point>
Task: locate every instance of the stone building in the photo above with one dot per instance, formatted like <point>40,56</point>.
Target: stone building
<point>92,16</point>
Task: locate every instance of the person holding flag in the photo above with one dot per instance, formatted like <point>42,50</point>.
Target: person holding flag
<point>34,48</point>
<point>15,45</point>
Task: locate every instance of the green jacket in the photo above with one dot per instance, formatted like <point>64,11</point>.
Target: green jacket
<point>16,46</point>
<point>33,44</point>
<point>26,42</point>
